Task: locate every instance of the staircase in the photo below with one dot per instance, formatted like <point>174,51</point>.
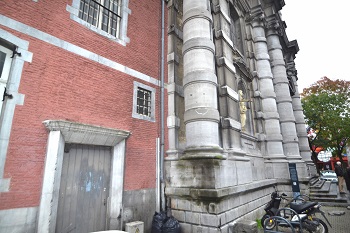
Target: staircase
<point>326,192</point>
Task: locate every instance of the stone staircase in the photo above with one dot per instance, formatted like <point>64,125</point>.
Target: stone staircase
<point>326,192</point>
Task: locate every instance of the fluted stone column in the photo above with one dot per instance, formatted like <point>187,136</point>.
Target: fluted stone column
<point>274,156</point>
<point>200,82</point>
<point>284,100</point>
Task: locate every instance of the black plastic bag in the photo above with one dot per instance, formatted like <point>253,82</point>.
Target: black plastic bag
<point>171,226</point>
<point>158,221</point>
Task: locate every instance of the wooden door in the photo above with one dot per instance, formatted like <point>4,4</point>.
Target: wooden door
<point>84,189</point>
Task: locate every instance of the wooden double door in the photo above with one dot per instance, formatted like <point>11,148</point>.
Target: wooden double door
<point>84,189</point>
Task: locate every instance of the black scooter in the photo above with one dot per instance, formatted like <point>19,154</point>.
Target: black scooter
<point>305,211</point>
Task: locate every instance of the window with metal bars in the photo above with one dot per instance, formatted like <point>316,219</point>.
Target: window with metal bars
<point>144,101</point>
<point>103,14</point>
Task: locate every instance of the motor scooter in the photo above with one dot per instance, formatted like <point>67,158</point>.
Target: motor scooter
<point>305,213</point>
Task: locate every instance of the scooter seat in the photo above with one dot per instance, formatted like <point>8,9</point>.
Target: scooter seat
<point>300,207</point>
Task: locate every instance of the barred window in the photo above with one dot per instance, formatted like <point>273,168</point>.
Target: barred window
<point>143,102</point>
<point>104,14</point>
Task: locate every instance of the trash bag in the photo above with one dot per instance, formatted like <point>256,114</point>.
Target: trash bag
<point>171,226</point>
<point>158,221</point>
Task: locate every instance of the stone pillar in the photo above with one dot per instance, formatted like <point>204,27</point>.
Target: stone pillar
<point>174,87</point>
<point>283,98</point>
<point>276,163</point>
<point>200,82</point>
<point>304,147</point>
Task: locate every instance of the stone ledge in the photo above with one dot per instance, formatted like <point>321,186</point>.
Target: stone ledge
<point>219,193</point>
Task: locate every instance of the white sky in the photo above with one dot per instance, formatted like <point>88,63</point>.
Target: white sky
<point>322,29</point>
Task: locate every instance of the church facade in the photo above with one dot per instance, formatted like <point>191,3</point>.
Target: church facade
<point>235,121</point>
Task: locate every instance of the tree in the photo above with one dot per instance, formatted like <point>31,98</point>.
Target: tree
<point>326,106</point>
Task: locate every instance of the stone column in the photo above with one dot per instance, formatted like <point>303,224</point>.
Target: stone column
<point>304,147</point>
<point>283,98</point>
<point>275,159</point>
<point>200,82</point>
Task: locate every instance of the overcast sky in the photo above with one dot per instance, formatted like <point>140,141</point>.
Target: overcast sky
<point>321,28</point>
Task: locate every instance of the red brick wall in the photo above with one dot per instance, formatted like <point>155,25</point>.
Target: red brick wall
<point>61,85</point>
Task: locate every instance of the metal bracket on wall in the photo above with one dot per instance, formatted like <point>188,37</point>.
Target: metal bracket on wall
<point>10,96</point>
<point>14,52</point>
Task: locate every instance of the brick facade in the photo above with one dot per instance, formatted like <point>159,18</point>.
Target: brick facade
<point>68,84</point>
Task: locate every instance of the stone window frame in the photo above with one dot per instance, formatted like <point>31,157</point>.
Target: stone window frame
<point>9,105</point>
<point>135,114</point>
<point>236,25</point>
<point>124,14</point>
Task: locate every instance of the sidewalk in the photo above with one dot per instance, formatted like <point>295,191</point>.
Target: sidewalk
<point>341,223</point>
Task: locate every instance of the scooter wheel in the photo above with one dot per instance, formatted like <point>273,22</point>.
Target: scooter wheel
<point>267,225</point>
<point>322,227</point>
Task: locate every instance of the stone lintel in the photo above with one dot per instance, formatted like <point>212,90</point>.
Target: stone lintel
<point>74,132</point>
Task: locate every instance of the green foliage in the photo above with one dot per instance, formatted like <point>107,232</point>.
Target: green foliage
<point>326,108</point>
<point>259,223</point>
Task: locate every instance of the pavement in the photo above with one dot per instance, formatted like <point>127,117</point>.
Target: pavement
<point>340,223</point>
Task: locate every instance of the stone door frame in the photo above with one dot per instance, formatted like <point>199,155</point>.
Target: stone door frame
<point>62,132</point>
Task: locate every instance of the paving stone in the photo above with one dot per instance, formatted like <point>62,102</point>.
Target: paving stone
<point>336,213</point>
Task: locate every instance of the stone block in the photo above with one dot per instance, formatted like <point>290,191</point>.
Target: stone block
<point>200,229</point>
<point>185,227</point>
<point>245,226</point>
<point>183,204</point>
<point>209,220</point>
<point>192,217</point>
<point>179,215</point>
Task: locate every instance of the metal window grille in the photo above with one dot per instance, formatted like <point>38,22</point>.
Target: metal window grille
<point>144,100</point>
<point>104,14</point>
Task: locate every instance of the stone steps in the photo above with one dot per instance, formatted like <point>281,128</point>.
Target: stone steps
<point>323,187</point>
<point>326,192</point>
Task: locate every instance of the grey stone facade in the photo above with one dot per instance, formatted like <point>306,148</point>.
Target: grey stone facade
<point>235,120</point>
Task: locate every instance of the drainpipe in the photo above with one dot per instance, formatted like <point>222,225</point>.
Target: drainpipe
<point>161,151</point>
